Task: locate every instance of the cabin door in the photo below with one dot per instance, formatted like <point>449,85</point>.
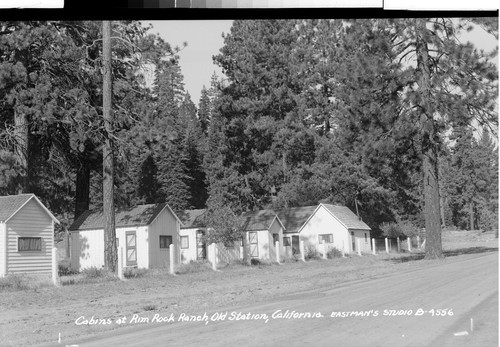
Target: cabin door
<point>253,240</point>
<point>353,239</point>
<point>201,246</point>
<point>131,248</point>
<point>295,244</point>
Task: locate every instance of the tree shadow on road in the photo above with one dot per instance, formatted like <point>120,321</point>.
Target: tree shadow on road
<point>448,253</point>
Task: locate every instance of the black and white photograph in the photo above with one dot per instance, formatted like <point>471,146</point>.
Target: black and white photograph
<point>267,180</point>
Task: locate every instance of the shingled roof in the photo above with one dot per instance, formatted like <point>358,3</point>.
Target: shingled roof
<point>191,218</point>
<point>294,218</point>
<point>259,220</point>
<point>345,216</point>
<point>11,204</point>
<point>140,215</point>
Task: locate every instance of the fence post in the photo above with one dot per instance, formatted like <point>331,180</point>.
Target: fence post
<point>359,246</point>
<point>418,241</point>
<point>242,255</point>
<point>374,248</point>
<point>408,240</point>
<point>277,248</point>
<point>120,263</point>
<point>386,245</point>
<point>214,256</point>
<point>324,249</point>
<point>172,257</point>
<point>343,249</point>
<point>55,269</point>
<point>399,245</point>
<point>301,247</point>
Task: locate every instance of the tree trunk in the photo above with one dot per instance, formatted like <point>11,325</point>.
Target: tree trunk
<point>471,216</point>
<point>21,134</point>
<point>430,145</point>
<point>82,196</point>
<point>110,250</point>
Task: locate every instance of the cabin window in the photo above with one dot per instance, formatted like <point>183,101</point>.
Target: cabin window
<point>328,238</point>
<point>26,244</point>
<point>184,242</point>
<point>286,241</point>
<point>165,241</point>
<point>276,237</point>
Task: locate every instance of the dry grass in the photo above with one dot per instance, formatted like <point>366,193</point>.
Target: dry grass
<point>37,314</point>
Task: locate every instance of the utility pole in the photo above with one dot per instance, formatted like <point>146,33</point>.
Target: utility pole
<point>110,250</point>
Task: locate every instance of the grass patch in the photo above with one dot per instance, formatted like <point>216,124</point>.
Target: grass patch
<point>15,282</point>
<point>90,275</point>
<point>149,308</point>
<point>193,267</point>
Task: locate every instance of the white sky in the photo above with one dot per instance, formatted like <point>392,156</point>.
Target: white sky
<point>204,38</point>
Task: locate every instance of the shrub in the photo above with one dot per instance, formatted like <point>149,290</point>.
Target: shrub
<point>15,282</point>
<point>311,252</point>
<point>334,253</point>
<point>94,272</point>
<point>391,230</point>
<point>149,308</point>
<point>134,272</point>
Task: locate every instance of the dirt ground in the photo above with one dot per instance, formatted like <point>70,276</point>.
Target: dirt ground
<point>39,315</point>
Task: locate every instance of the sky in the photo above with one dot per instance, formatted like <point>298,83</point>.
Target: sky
<point>204,38</point>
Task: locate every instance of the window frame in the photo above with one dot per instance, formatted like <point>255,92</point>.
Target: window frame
<point>287,241</point>
<point>321,238</point>
<point>185,237</point>
<point>167,237</point>
<point>21,239</point>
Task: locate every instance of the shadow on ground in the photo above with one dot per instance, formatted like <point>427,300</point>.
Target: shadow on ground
<point>448,253</point>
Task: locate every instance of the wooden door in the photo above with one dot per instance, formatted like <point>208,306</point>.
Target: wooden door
<point>254,244</point>
<point>131,248</point>
<point>295,244</point>
<point>201,246</point>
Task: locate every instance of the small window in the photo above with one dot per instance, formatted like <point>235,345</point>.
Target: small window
<point>276,238</point>
<point>27,244</point>
<point>328,238</point>
<point>165,241</point>
<point>286,241</point>
<point>184,242</point>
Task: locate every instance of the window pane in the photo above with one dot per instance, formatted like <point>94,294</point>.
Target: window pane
<point>29,244</point>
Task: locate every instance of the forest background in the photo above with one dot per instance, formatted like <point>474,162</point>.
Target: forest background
<point>360,113</point>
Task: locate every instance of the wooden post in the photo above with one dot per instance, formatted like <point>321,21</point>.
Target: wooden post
<point>301,247</point>
<point>120,263</point>
<point>408,241</point>
<point>172,257</point>
<point>343,249</point>
<point>386,245</point>
<point>242,252</point>
<point>324,249</point>
<point>418,241</point>
<point>55,270</point>
<point>399,245</point>
<point>214,257</point>
<point>277,248</point>
<point>374,248</point>
<point>359,246</point>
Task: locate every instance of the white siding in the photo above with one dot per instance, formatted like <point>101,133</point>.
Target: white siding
<point>87,249</point>
<point>141,234</point>
<point>3,250</point>
<point>322,222</point>
<point>31,221</point>
<point>190,253</point>
<point>164,224</point>
<point>364,241</point>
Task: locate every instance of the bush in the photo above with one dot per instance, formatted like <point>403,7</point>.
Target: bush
<point>391,230</point>
<point>134,272</point>
<point>311,252</point>
<point>334,253</point>
<point>94,272</point>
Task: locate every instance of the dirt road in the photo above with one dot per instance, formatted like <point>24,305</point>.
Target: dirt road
<point>449,303</point>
